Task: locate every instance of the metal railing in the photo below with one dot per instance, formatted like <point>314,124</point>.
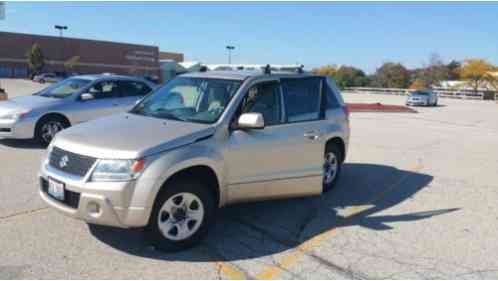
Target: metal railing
<point>444,93</point>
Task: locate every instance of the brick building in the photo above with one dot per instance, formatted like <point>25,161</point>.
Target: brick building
<point>94,56</point>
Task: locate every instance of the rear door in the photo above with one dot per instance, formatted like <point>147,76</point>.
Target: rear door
<point>131,92</point>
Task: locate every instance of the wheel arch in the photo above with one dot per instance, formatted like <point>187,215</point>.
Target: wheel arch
<point>339,142</point>
<point>50,115</point>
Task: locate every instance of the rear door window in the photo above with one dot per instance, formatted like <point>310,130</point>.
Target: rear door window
<point>302,98</point>
<point>133,88</point>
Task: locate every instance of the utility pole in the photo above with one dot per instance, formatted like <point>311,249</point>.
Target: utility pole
<point>230,49</point>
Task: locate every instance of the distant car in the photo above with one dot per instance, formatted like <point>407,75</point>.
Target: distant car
<point>47,77</point>
<point>71,101</point>
<point>427,98</point>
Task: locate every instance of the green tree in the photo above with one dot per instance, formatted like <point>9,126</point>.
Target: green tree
<point>36,60</point>
<point>391,75</point>
<point>348,76</point>
<point>454,70</point>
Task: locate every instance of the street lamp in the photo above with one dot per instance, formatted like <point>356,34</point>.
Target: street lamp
<point>230,49</point>
<point>61,28</point>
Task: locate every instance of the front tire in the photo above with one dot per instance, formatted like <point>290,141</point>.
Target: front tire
<point>331,167</point>
<point>48,127</point>
<point>181,216</point>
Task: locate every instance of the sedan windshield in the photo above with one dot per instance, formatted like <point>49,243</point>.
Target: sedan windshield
<point>64,88</point>
<point>200,100</point>
<point>419,94</point>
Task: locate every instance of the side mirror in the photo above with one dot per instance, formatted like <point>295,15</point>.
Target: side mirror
<point>87,96</point>
<point>251,121</point>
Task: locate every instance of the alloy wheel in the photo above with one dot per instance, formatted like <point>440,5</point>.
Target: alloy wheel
<point>330,167</point>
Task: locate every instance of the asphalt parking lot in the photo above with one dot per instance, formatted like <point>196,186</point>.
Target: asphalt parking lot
<point>417,199</point>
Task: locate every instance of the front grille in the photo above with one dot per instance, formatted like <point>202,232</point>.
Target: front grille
<point>5,130</point>
<point>75,164</point>
<point>71,199</point>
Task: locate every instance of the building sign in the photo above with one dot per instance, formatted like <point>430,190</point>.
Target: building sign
<point>141,56</point>
<point>2,10</point>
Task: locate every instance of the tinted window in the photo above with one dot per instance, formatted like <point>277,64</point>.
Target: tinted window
<point>302,98</point>
<point>265,99</point>
<point>133,88</point>
<point>330,97</point>
<point>104,89</point>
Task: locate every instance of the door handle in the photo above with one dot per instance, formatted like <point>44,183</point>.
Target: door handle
<point>312,135</point>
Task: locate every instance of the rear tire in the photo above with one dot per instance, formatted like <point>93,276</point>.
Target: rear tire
<point>48,127</point>
<point>331,167</point>
<point>182,215</point>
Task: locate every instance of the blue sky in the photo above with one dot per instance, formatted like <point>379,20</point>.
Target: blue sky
<point>361,34</point>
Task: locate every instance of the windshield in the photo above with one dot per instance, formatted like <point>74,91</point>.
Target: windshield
<point>200,100</point>
<point>419,94</point>
<point>64,88</point>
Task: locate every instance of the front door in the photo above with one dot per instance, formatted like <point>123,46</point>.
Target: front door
<point>285,158</point>
<point>106,101</point>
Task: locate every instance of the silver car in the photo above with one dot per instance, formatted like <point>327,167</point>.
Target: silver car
<point>47,77</point>
<point>427,98</point>
<point>202,141</point>
<point>69,102</point>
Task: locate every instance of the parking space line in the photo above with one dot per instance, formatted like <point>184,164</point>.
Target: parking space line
<point>231,271</point>
<point>23,213</point>
<point>291,259</point>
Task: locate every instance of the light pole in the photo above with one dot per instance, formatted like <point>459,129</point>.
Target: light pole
<point>230,49</point>
<point>61,28</point>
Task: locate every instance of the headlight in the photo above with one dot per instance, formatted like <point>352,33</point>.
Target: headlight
<point>118,170</point>
<point>14,116</point>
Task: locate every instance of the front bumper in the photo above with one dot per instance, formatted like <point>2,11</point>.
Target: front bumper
<point>104,203</point>
<point>416,102</point>
<point>23,129</point>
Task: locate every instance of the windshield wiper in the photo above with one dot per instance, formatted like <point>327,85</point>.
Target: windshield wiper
<point>167,115</point>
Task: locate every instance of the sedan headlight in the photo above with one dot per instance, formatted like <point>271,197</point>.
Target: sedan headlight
<point>118,170</point>
<point>14,116</point>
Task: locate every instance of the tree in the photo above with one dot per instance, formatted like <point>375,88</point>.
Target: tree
<point>433,72</point>
<point>418,84</point>
<point>36,60</point>
<point>71,63</point>
<point>454,70</point>
<point>391,75</point>
<point>348,76</point>
<point>327,70</point>
<point>477,73</point>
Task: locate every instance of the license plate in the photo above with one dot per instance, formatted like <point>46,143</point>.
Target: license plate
<point>56,189</point>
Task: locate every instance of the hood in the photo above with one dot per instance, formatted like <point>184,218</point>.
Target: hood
<point>129,136</point>
<point>25,103</point>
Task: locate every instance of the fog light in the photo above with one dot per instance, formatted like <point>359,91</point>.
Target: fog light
<point>93,209</point>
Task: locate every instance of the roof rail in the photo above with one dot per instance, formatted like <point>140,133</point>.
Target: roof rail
<point>267,69</point>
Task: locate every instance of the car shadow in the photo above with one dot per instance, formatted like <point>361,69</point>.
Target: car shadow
<point>22,144</point>
<point>254,230</point>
